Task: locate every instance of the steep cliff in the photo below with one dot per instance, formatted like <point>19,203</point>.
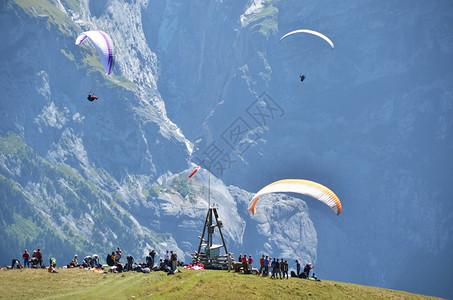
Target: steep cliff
<point>64,158</point>
<point>372,120</point>
<point>85,177</point>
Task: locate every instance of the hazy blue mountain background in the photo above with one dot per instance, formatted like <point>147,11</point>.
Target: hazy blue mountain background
<point>199,80</point>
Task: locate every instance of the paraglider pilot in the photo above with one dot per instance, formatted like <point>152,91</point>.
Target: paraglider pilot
<point>302,77</point>
<point>91,97</point>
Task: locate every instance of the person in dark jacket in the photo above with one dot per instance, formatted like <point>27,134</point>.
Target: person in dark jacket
<point>307,269</point>
<point>91,97</point>
<point>285,269</point>
<point>130,261</point>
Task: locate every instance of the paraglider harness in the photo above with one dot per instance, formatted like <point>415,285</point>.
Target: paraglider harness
<point>91,97</point>
<point>302,77</point>
<point>110,260</point>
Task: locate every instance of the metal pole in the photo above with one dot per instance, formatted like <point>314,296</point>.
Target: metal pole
<point>209,184</point>
<point>209,207</point>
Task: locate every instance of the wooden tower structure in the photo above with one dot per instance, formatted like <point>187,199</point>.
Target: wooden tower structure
<point>208,253</point>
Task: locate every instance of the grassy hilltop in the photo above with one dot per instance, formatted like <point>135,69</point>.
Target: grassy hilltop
<point>84,284</point>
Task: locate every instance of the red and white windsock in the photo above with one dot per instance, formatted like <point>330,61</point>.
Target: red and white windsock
<point>194,171</point>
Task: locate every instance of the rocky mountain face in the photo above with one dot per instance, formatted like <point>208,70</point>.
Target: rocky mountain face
<point>372,120</point>
<point>68,162</point>
<point>210,83</point>
<point>87,177</point>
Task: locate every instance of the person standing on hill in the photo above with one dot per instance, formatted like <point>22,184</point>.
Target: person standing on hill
<point>250,263</point>
<point>273,268</point>
<point>277,269</point>
<point>149,261</point>
<point>230,261</point>
<point>270,266</point>
<point>26,257</point>
<point>39,257</point>
<point>261,265</point>
<point>266,266</point>
<point>285,269</point>
<point>281,268</point>
<point>174,261</point>
<point>130,262</point>
<point>244,264</point>
<point>297,268</point>
<point>152,254</point>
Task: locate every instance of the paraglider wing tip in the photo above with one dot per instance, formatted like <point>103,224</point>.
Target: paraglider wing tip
<point>252,211</point>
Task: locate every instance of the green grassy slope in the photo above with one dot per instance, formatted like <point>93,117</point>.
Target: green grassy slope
<point>84,284</point>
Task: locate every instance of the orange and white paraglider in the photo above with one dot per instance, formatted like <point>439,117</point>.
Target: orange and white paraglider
<point>300,186</point>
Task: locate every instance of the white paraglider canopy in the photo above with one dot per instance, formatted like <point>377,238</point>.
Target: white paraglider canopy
<point>309,32</point>
<point>103,45</point>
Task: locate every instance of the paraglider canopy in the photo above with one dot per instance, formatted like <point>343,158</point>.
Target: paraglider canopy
<point>310,32</point>
<point>305,187</point>
<point>103,45</point>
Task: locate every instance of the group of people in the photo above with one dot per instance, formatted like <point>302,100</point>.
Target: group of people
<point>89,261</point>
<point>114,258</point>
<point>305,273</point>
<point>168,264</point>
<point>277,269</point>
<point>273,267</point>
<point>170,260</point>
<point>247,263</point>
<point>29,260</point>
<point>33,261</point>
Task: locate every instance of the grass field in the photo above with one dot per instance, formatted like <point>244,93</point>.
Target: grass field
<point>84,284</point>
